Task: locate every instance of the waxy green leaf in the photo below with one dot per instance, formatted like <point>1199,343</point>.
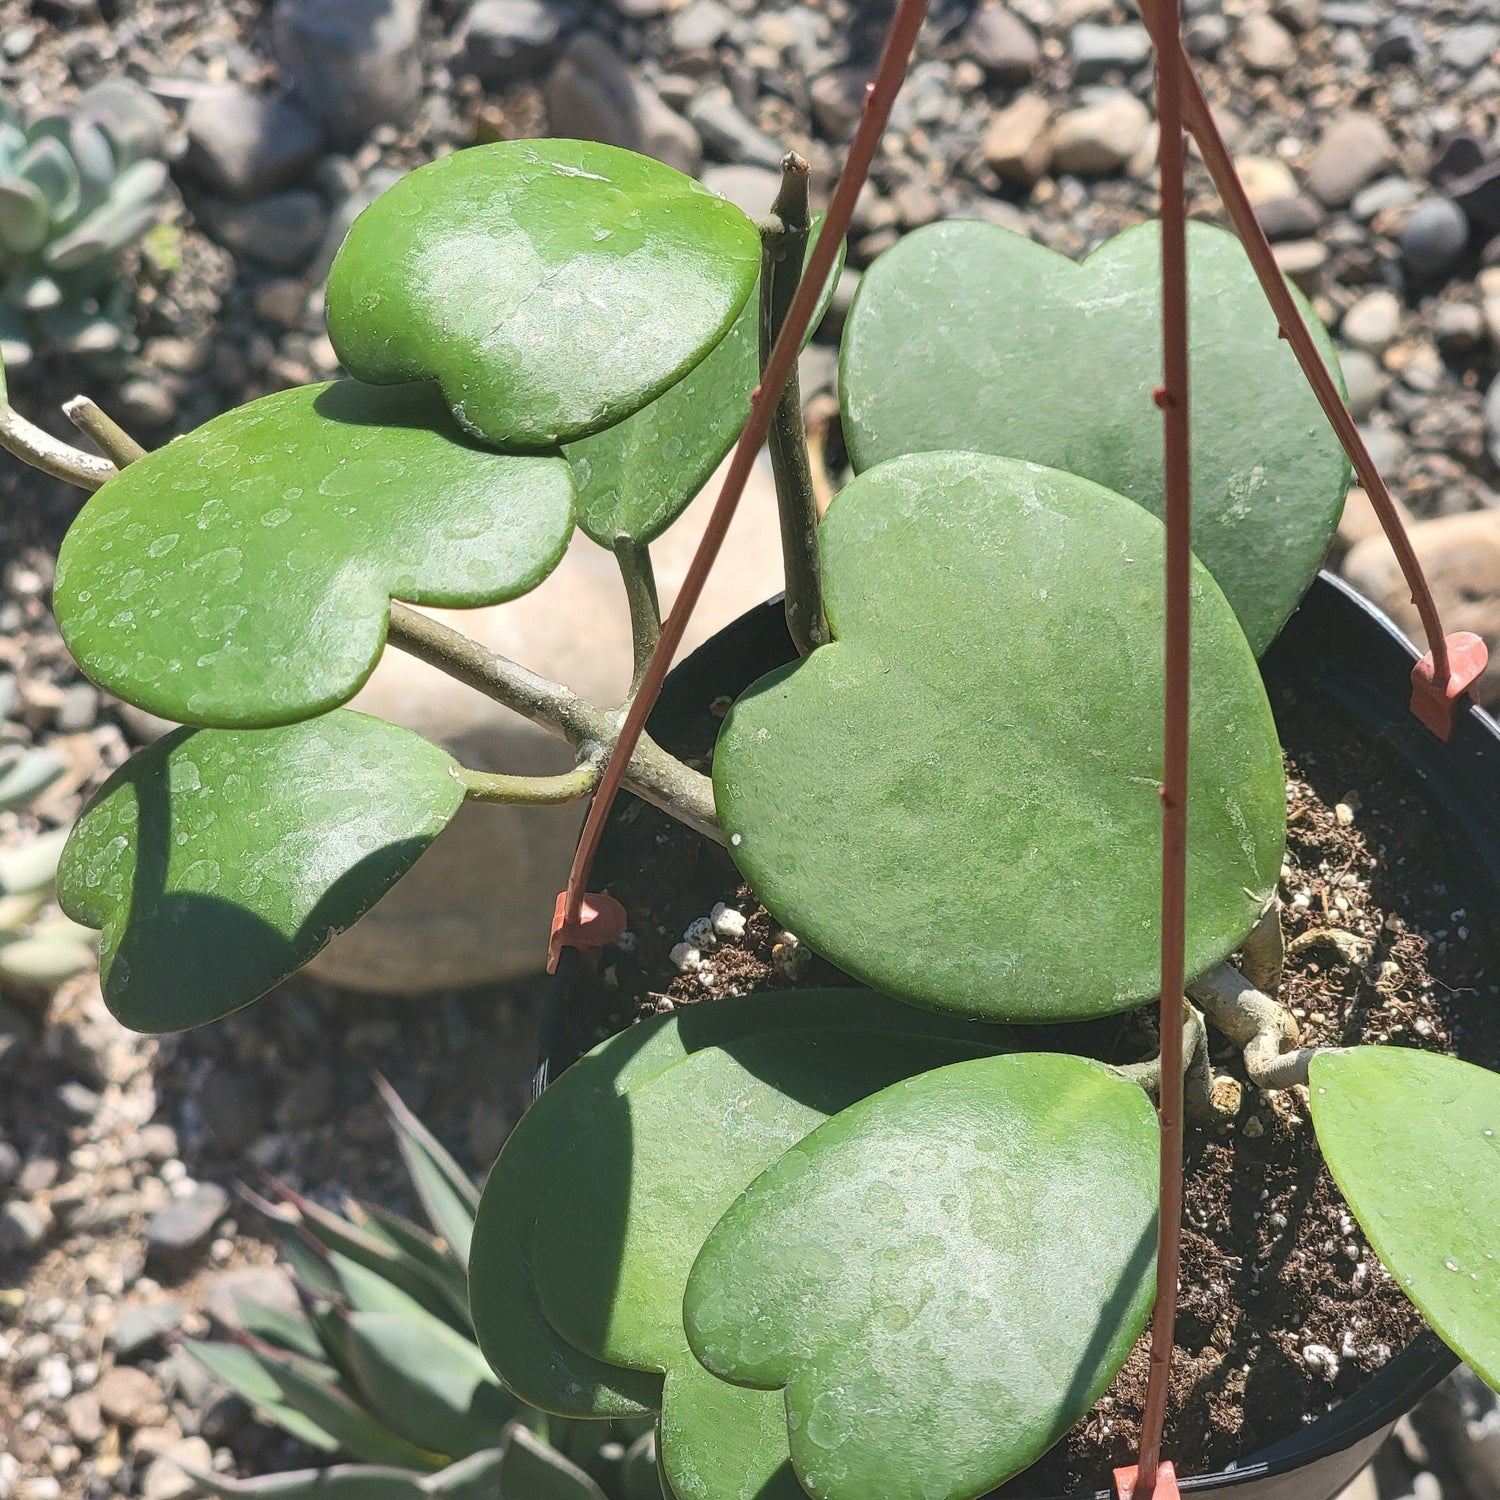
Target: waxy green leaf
<point>957,800</point>
<point>833,1277</point>
<point>1413,1141</point>
<point>534,1471</point>
<point>969,336</point>
<point>217,862</point>
<point>615,1243</point>
<point>563,1128</point>
<point>635,478</point>
<point>242,575</point>
<point>551,287</point>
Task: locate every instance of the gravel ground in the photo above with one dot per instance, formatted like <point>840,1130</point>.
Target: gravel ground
<point>1357,125</point>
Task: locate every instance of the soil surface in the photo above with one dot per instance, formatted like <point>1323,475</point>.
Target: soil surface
<point>1285,1310</point>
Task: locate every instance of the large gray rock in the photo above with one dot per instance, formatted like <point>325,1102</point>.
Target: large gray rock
<point>246,144</point>
<point>354,63</point>
<point>593,96</point>
<point>280,231</point>
<point>477,907</point>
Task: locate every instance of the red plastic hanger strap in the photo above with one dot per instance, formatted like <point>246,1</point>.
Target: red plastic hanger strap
<point>1165,1487</point>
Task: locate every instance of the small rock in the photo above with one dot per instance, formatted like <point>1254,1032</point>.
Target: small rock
<point>279,231</point>
<point>1297,15</point>
<point>592,96</point>
<point>1400,43</point>
<point>186,1223</point>
<point>24,1224</point>
<point>499,40</point>
<point>78,1100</point>
<point>143,1324</point>
<point>640,10</point>
<point>1003,45</point>
<point>727,132</point>
<point>1364,380</point>
<point>281,302</point>
<point>79,709</point>
<point>1458,327</point>
<point>838,99</point>
<point>1295,218</point>
<point>131,1397</point>
<point>1265,179</point>
<point>1373,322</point>
<point>306,1099</point>
<point>1435,237</point>
<point>700,25</point>
<point>1461,557</point>
<point>1457,155</point>
<point>268,1285</point>
<point>165,1479</point>
<point>146,401</point>
<point>85,1422</point>
<point>156,1142</point>
<point>1353,151</point>
<point>1478,194</point>
<point>1017,144</point>
<point>1265,45</point>
<point>355,64</point>
<point>1303,262</point>
<point>234,1109</point>
<point>10,1163</point>
<point>1469,47</point>
<point>752,189</point>
<point>1100,138</point>
<point>1098,50</point>
<point>246,144</point>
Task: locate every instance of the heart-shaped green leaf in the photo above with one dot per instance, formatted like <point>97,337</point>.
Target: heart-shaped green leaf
<point>833,1277</point>
<point>242,575</point>
<point>957,800</point>
<point>550,287</point>
<point>1413,1141</point>
<point>580,1114</point>
<point>217,862</point>
<point>615,1242</point>
<point>635,478</point>
<point>966,335</point>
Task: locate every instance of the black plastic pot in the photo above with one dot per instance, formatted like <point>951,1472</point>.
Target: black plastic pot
<point>1351,662</point>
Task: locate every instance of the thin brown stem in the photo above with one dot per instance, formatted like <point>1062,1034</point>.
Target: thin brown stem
<point>634,559</point>
<point>49,454</point>
<point>103,431</point>
<point>1263,1029</point>
<point>530,791</point>
<point>783,250</point>
<point>652,774</point>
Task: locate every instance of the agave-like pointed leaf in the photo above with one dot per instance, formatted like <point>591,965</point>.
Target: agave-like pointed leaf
<point>473,1478</point>
<point>26,774</point>
<point>24,220</point>
<point>533,1471</point>
<point>43,961</point>
<point>422,1249</point>
<point>427,1383</point>
<point>550,287</point>
<point>354,1244</point>
<point>339,1482</point>
<point>948,824</point>
<point>304,512</point>
<point>310,1262</point>
<point>216,863</point>
<point>637,477</point>
<point>968,336</point>
<point>639,1470</point>
<point>1413,1140</point>
<point>48,164</point>
<point>323,1403</point>
<point>33,865</point>
<point>281,1329</point>
<point>238,1368</point>
<point>368,1291</point>
<point>449,1197</point>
